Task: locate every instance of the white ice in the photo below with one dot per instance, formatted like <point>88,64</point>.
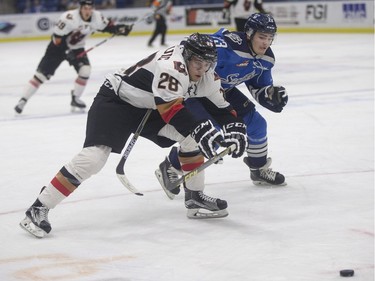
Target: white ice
<point>320,223</point>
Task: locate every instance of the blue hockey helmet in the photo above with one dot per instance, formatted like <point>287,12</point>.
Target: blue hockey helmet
<point>260,22</point>
<point>201,46</point>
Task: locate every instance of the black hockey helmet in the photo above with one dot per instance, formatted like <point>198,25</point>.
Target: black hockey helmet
<point>86,2</point>
<point>201,46</point>
<point>260,22</point>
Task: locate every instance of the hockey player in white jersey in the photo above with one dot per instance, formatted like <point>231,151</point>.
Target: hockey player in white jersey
<point>161,82</point>
<point>67,43</point>
<point>243,58</point>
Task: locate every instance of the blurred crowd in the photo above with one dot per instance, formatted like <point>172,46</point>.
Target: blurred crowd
<point>41,6</point>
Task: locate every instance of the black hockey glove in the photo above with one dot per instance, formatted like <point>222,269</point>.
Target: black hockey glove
<point>123,29</point>
<point>207,136</point>
<point>274,98</point>
<point>235,133</point>
<point>70,56</point>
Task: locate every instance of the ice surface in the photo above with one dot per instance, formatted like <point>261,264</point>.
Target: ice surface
<point>323,142</point>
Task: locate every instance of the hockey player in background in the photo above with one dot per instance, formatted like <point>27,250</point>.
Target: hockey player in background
<point>68,40</point>
<point>161,82</point>
<point>240,18</point>
<point>243,57</point>
<point>162,8</point>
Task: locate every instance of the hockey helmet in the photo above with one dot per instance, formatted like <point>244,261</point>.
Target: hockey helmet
<point>201,46</point>
<point>86,2</point>
<point>260,22</point>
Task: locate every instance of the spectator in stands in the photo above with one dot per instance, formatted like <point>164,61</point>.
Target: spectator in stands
<point>34,6</point>
<point>62,5</point>
<point>108,4</point>
<point>74,4</point>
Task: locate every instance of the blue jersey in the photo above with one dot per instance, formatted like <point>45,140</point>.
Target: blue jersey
<point>236,64</point>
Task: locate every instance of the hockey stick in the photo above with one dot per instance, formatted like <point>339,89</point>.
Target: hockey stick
<point>113,35</point>
<point>120,166</point>
<point>205,165</point>
<point>81,54</point>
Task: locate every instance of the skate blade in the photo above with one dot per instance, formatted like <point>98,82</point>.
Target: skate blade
<point>160,179</point>
<point>205,214</point>
<point>75,109</point>
<point>31,228</point>
<point>266,184</point>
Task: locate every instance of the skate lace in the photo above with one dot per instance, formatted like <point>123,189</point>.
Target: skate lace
<point>43,214</point>
<point>268,174</point>
<point>206,197</point>
<point>172,175</point>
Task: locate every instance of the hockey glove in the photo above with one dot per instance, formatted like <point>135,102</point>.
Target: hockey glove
<point>123,29</point>
<point>207,136</point>
<point>235,133</point>
<point>70,56</point>
<point>275,98</point>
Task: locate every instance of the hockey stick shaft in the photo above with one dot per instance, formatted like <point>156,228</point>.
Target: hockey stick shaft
<point>95,46</point>
<point>202,167</point>
<point>120,166</point>
<point>113,35</point>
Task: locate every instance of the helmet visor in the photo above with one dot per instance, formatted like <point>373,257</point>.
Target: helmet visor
<point>199,63</point>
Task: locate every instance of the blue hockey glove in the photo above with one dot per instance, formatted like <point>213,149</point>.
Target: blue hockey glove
<point>236,133</point>
<point>207,136</point>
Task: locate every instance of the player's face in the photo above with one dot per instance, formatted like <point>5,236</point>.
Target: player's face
<point>86,12</point>
<point>261,42</point>
<point>197,68</point>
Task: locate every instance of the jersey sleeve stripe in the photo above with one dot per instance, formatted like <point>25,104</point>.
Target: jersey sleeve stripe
<point>168,115</point>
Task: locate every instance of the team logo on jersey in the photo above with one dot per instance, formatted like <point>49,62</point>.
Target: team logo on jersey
<point>234,79</point>
<point>76,37</point>
<point>243,64</point>
<point>259,65</point>
<point>235,38</point>
<point>180,67</point>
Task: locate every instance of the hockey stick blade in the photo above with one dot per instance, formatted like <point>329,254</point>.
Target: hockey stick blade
<point>120,171</point>
<point>123,179</point>
<point>205,165</point>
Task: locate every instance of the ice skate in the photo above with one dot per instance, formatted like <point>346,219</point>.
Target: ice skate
<point>264,175</point>
<point>77,104</point>
<point>36,220</point>
<point>202,206</point>
<point>20,105</point>
<point>166,175</point>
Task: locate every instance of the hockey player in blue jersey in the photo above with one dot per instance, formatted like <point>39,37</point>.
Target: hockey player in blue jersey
<point>243,57</point>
